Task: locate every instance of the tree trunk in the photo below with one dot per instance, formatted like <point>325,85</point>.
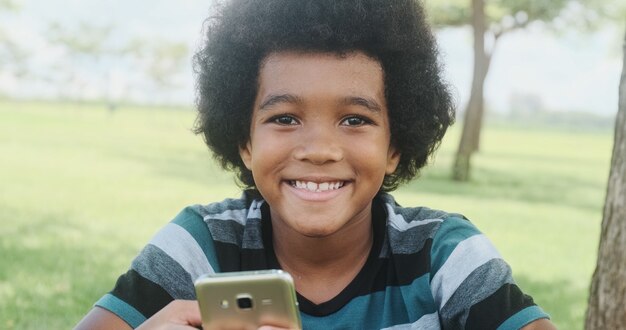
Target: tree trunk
<point>474,112</point>
<point>607,297</point>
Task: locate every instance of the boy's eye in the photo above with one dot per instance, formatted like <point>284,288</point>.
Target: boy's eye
<point>355,121</point>
<point>284,120</point>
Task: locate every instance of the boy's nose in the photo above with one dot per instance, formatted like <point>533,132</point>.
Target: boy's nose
<point>318,146</point>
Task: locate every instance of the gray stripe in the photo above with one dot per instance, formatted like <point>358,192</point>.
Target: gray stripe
<point>231,209</point>
<point>480,284</point>
<point>253,235</point>
<point>182,247</point>
<point>467,256</point>
<point>411,240</point>
<point>155,265</point>
<point>241,227</point>
<point>415,213</point>
<point>221,207</point>
<point>225,231</point>
<point>229,215</point>
<point>417,216</point>
<point>428,321</point>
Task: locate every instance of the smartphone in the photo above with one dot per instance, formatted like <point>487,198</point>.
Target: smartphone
<point>247,300</point>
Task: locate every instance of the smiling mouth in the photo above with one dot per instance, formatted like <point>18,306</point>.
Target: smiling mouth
<point>315,186</point>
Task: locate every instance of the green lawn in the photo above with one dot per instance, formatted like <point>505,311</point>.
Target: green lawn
<point>82,189</point>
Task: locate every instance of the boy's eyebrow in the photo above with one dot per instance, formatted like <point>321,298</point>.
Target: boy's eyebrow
<point>368,103</point>
<point>272,99</point>
<point>279,98</point>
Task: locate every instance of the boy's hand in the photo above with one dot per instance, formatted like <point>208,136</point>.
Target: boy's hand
<point>179,314</point>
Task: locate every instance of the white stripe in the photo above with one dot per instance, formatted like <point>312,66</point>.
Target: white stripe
<point>428,321</point>
<point>255,209</point>
<point>466,257</point>
<point>399,223</point>
<point>239,215</point>
<point>183,248</point>
<point>234,215</point>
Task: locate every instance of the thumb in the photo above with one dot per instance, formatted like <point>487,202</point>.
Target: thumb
<point>190,313</point>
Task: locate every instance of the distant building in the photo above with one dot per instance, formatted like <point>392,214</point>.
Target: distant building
<point>525,103</point>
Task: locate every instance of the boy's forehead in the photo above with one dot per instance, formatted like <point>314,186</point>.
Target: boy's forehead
<point>321,79</point>
<point>304,76</point>
<point>296,57</point>
<point>314,72</point>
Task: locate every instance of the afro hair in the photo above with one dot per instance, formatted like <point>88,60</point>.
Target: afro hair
<point>395,33</point>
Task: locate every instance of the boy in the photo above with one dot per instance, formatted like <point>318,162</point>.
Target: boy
<point>321,107</point>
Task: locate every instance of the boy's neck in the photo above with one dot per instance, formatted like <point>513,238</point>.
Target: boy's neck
<point>322,267</point>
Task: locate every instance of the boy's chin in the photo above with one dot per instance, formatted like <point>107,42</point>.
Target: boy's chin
<point>317,233</point>
<point>321,227</point>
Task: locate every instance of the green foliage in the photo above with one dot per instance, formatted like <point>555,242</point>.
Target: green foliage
<point>449,12</point>
<point>8,5</point>
<point>83,189</point>
<point>540,10</point>
<point>86,39</point>
<point>504,15</point>
<point>11,55</point>
<point>163,58</point>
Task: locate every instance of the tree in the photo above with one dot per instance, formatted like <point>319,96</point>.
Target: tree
<point>85,45</point>
<point>161,59</point>
<point>12,56</point>
<point>95,52</point>
<point>607,296</point>
<point>8,5</point>
<point>490,21</point>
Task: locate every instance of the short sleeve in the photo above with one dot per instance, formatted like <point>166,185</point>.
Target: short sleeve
<point>164,270</point>
<point>472,285</point>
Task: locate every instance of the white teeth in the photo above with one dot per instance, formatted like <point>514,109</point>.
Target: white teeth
<point>317,187</point>
<point>311,186</point>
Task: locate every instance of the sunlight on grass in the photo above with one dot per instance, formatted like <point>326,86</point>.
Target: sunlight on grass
<point>83,189</point>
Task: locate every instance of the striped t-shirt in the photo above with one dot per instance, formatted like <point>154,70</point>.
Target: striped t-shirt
<point>427,269</point>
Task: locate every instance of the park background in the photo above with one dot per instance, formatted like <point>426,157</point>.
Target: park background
<point>97,153</point>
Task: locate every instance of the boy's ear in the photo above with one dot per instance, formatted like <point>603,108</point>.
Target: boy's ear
<point>246,155</point>
<point>393,159</point>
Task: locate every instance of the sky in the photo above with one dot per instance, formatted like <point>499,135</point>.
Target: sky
<point>566,72</point>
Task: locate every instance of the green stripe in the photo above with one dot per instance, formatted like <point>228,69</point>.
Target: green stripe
<point>380,309</point>
<point>452,231</point>
<point>192,221</point>
<point>120,308</point>
<point>523,317</point>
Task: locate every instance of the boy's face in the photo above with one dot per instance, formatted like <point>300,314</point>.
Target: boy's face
<point>319,140</point>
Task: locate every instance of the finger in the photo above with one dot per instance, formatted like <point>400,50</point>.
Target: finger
<point>190,312</point>
<point>178,314</point>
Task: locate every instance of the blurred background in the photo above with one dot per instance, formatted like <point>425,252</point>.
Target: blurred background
<point>139,52</point>
<point>96,149</point>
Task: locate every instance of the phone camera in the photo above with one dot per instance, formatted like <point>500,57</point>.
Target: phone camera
<point>244,302</point>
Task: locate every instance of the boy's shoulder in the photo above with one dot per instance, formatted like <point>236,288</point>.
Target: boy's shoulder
<point>403,218</point>
<point>234,221</point>
<point>219,221</point>
<point>410,228</point>
<point>235,209</point>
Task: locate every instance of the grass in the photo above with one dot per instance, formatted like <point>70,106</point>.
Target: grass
<point>82,189</point>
